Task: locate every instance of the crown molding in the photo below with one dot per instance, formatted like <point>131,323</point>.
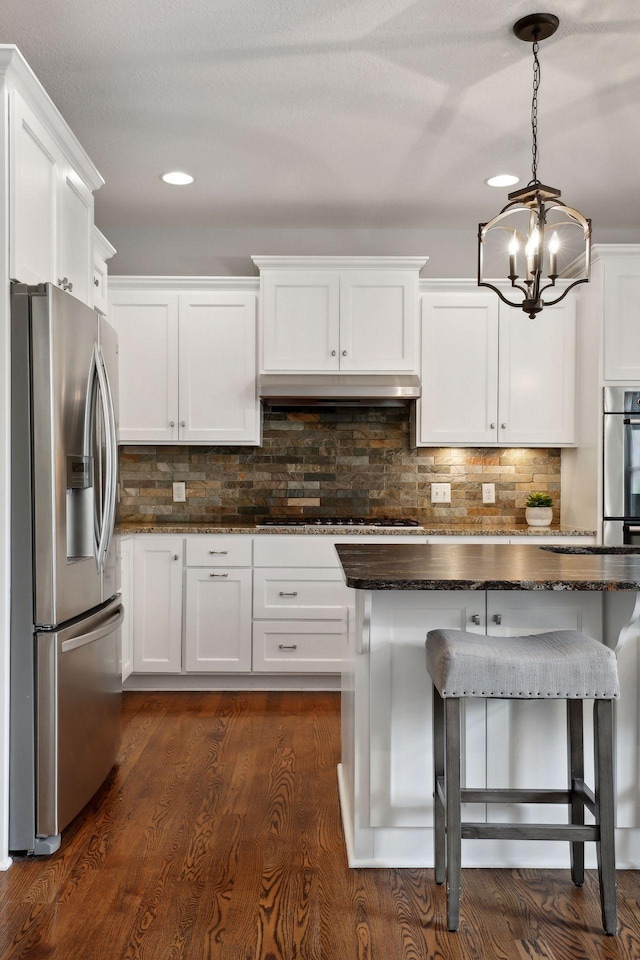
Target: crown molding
<point>185,284</point>
<point>339,263</point>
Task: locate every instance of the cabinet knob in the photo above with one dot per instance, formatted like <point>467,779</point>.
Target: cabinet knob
<point>492,426</point>
<point>476,619</point>
<point>503,426</point>
<point>183,423</point>
<point>65,283</point>
<point>172,423</point>
<point>497,618</point>
<point>344,353</point>
<point>69,286</point>
<point>96,282</point>
<point>333,353</point>
<point>218,574</point>
<point>176,557</point>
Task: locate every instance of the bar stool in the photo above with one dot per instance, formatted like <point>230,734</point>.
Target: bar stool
<point>564,665</point>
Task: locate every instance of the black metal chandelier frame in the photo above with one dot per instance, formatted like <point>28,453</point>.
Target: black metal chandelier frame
<point>538,200</point>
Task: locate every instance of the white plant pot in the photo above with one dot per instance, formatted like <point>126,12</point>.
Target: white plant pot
<point>538,516</point>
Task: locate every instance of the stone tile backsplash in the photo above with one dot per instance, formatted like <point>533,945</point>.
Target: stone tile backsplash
<point>333,462</point>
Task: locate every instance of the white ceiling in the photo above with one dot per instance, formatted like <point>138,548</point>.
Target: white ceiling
<point>333,126</point>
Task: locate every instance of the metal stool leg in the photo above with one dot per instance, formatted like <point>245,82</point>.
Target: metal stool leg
<point>453,812</point>
<point>604,790</point>
<point>575,737</point>
<point>438,775</point>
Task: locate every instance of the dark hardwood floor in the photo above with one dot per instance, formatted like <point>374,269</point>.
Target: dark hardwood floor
<point>219,836</point>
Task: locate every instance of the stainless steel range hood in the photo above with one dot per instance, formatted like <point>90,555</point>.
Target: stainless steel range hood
<point>343,389</point>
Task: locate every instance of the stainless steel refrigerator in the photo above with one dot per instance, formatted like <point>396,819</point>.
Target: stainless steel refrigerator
<point>65,605</point>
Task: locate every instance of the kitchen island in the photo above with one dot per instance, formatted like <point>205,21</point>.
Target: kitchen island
<point>401,591</point>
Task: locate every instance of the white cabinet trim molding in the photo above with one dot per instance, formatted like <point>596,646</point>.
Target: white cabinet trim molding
<point>181,284</point>
<point>340,263</point>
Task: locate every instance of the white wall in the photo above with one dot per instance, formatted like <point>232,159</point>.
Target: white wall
<point>216,251</point>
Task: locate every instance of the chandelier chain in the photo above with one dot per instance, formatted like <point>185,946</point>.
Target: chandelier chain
<point>534,113</point>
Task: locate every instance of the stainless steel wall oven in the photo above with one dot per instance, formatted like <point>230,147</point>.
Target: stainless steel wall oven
<point>621,474</point>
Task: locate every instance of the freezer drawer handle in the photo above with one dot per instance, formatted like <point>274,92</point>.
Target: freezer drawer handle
<point>283,593</point>
<point>102,631</point>
<point>218,574</point>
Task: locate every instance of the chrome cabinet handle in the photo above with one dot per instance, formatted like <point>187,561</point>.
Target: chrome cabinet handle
<point>497,618</point>
<point>65,283</point>
<point>333,353</point>
<point>492,426</point>
<point>287,646</point>
<point>224,552</point>
<point>183,423</point>
<point>344,353</point>
<point>172,423</point>
<point>176,556</point>
<point>284,594</point>
<point>503,426</point>
<point>476,619</point>
<point>218,574</point>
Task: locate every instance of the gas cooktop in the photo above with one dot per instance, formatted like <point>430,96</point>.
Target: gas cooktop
<point>337,522</point>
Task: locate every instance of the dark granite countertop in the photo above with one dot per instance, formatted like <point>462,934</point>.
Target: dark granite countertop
<point>407,566</point>
<point>131,527</point>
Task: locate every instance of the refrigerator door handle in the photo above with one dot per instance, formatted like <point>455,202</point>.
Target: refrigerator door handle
<point>102,631</point>
<point>109,493</point>
<point>112,461</point>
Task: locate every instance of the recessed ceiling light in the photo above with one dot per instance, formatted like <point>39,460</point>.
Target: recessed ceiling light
<point>502,180</point>
<point>177,178</point>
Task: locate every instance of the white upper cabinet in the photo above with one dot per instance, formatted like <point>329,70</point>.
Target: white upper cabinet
<point>50,202</point>
<point>621,328</point>
<point>147,326</point>
<point>187,365</point>
<point>339,314</point>
<point>217,368</point>
<point>102,251</point>
<point>491,376</point>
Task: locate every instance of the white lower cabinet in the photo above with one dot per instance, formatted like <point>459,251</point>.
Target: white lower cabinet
<point>157,608</point>
<point>127,593</point>
<point>217,624</point>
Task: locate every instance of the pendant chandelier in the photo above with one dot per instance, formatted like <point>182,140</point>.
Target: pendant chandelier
<point>535,232</point>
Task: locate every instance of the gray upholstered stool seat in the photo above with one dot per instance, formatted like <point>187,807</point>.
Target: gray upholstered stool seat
<point>563,664</point>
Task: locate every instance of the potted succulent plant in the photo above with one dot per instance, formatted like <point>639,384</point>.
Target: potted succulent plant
<point>539,511</point>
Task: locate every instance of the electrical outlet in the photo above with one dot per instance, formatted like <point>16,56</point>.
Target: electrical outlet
<point>488,493</point>
<point>179,492</point>
<point>440,493</point>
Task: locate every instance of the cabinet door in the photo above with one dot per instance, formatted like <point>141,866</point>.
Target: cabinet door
<point>459,369</point>
<point>621,328</point>
<point>526,739</point>
<point>218,620</point>
<point>218,364</point>
<point>127,590</point>
<point>75,234</point>
<point>147,326</point>
<point>157,618</point>
<point>536,396</point>
<point>33,197</point>
<point>301,320</point>
<point>378,320</point>
<point>401,756</point>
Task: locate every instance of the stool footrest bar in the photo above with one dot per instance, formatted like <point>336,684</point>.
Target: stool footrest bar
<point>469,795</point>
<point>529,831</point>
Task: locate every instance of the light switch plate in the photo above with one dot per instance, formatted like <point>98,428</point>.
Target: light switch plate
<point>179,492</point>
<point>488,493</point>
<point>440,493</point>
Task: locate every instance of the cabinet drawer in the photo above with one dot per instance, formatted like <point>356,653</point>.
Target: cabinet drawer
<point>313,550</point>
<point>281,646</point>
<point>299,594</point>
<point>215,551</point>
